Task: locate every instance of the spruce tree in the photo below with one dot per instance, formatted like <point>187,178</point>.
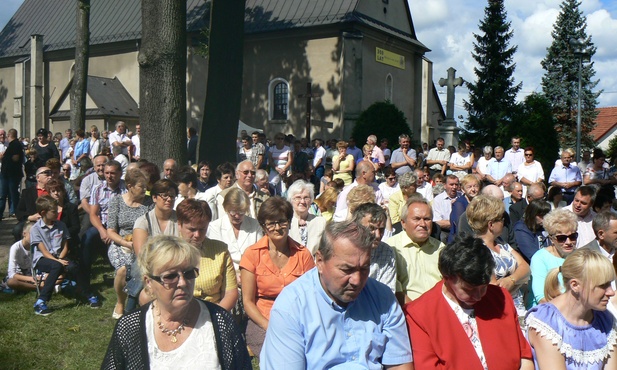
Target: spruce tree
<point>560,81</point>
<point>492,97</point>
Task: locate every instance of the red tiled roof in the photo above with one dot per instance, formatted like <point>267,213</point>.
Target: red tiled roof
<point>605,122</point>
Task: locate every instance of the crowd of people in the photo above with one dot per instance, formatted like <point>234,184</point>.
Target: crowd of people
<point>317,255</point>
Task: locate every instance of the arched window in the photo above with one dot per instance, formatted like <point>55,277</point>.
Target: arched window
<point>388,95</point>
<point>279,99</point>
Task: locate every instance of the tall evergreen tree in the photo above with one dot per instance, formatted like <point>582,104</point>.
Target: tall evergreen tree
<point>492,97</point>
<point>560,81</point>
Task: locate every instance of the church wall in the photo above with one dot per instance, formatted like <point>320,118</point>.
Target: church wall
<point>392,12</point>
<point>7,95</point>
<point>297,60</point>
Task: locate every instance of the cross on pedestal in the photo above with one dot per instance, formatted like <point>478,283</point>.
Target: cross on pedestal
<point>308,96</point>
<point>452,83</point>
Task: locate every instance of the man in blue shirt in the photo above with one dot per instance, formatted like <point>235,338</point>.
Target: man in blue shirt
<point>335,316</point>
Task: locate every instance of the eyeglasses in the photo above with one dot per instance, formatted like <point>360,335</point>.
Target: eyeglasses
<point>562,238</point>
<point>174,277</point>
<point>235,213</point>
<point>299,199</point>
<point>46,173</point>
<point>166,197</point>
<point>246,172</point>
<point>283,224</point>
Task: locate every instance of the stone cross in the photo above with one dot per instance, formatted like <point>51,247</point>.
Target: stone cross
<point>452,83</point>
<point>309,95</point>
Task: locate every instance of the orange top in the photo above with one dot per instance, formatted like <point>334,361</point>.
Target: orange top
<point>270,280</point>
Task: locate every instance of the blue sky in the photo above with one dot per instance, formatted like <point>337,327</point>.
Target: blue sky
<point>447,26</point>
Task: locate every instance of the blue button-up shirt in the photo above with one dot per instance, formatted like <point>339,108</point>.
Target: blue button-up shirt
<point>498,169</point>
<point>562,173</point>
<point>308,330</point>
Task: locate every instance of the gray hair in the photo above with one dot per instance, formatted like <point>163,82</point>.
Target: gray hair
<point>413,199</point>
<point>260,175</point>
<point>407,179</point>
<point>298,187</point>
<point>601,221</point>
<point>488,149</point>
<point>244,161</point>
<point>355,233</point>
<point>499,147</point>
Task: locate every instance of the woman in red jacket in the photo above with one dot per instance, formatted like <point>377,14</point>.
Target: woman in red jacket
<point>464,322</point>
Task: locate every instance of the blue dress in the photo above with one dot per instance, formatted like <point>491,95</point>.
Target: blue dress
<point>584,347</point>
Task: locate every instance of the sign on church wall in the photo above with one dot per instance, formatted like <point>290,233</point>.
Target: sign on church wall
<point>389,58</point>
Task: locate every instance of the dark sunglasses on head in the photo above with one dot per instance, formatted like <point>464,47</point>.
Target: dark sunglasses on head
<point>562,238</point>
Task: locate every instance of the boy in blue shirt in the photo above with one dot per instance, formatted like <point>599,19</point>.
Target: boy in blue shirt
<point>50,236</point>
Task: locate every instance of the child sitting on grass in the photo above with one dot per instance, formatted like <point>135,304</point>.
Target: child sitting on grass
<point>51,239</point>
<point>19,276</point>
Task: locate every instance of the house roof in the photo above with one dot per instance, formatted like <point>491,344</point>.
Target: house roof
<point>120,20</point>
<point>606,120</point>
<point>109,96</point>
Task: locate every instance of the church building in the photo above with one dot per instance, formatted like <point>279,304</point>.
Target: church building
<point>352,53</point>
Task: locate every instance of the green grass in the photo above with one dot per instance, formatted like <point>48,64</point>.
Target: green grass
<point>72,337</point>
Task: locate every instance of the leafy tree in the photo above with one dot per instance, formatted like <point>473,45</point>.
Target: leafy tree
<point>560,81</point>
<point>611,152</point>
<point>533,123</point>
<point>382,119</point>
<point>492,96</point>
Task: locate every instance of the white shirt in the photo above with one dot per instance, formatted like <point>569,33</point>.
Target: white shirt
<point>210,197</point>
<point>584,230</point>
<point>137,145</point>
<point>426,190</point>
<point>115,136</point>
<point>341,203</point>
<point>533,173</point>
<point>442,206</point>
<point>387,191</point>
<point>19,260</point>
<point>482,165</point>
<point>515,157</point>
<point>320,153</point>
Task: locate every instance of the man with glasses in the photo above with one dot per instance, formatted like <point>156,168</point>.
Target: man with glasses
<point>566,176</point>
<point>245,180</point>
<point>96,237</point>
<point>515,155</point>
<point>581,206</point>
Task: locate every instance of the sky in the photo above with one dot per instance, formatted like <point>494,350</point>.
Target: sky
<point>447,27</point>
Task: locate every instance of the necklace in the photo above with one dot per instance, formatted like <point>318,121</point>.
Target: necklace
<point>164,330</point>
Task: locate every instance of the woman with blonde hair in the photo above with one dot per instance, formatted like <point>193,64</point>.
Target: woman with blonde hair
<point>326,203</point>
<point>359,195</point>
<point>574,330</point>
<point>561,225</point>
<point>486,217</point>
<point>343,163</point>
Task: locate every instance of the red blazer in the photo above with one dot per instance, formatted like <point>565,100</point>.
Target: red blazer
<point>438,340</point>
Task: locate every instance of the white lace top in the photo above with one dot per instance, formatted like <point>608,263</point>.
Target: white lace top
<point>197,352</point>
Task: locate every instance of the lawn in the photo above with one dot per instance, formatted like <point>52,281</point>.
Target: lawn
<point>72,337</point>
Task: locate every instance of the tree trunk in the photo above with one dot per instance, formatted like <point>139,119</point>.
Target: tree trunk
<point>217,137</point>
<point>79,87</point>
<point>162,81</point>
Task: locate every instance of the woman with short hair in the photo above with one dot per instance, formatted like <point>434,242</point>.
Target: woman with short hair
<point>269,265</point>
<point>529,231</point>
<point>486,217</point>
<point>342,163</point>
<point>408,184</point>
<point>470,185</point>
<point>175,329</point>
<point>574,330</point>
<point>305,228</point>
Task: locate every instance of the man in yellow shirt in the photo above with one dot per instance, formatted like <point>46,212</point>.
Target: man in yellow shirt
<point>417,253</point>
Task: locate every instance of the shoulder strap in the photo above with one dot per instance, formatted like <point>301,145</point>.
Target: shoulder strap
<point>149,223</point>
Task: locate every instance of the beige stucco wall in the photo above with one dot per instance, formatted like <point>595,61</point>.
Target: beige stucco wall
<point>297,61</point>
<point>392,12</point>
<point>7,94</point>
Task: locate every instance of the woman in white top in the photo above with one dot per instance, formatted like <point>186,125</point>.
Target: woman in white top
<point>461,161</point>
<point>529,171</point>
<point>482,166</point>
<point>390,186</point>
<point>224,177</point>
<point>95,141</point>
<point>236,229</point>
<point>280,160</point>
<point>305,228</point>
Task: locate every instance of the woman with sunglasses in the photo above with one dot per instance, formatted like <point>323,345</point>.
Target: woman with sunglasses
<point>390,186</point>
<point>574,330</point>
<point>529,171</point>
<point>486,218</point>
<point>561,226</point>
<point>175,329</point>
<point>269,265</point>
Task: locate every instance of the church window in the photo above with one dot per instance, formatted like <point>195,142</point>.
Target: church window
<point>279,99</point>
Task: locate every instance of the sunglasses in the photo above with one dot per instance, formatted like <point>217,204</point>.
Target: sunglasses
<point>48,173</point>
<point>562,238</point>
<point>246,172</point>
<point>528,154</point>
<point>174,277</point>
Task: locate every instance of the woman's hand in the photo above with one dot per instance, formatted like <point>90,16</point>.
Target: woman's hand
<point>506,282</point>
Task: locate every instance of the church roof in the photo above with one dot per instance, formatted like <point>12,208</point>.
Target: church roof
<point>109,96</point>
<point>606,120</point>
<point>120,20</point>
